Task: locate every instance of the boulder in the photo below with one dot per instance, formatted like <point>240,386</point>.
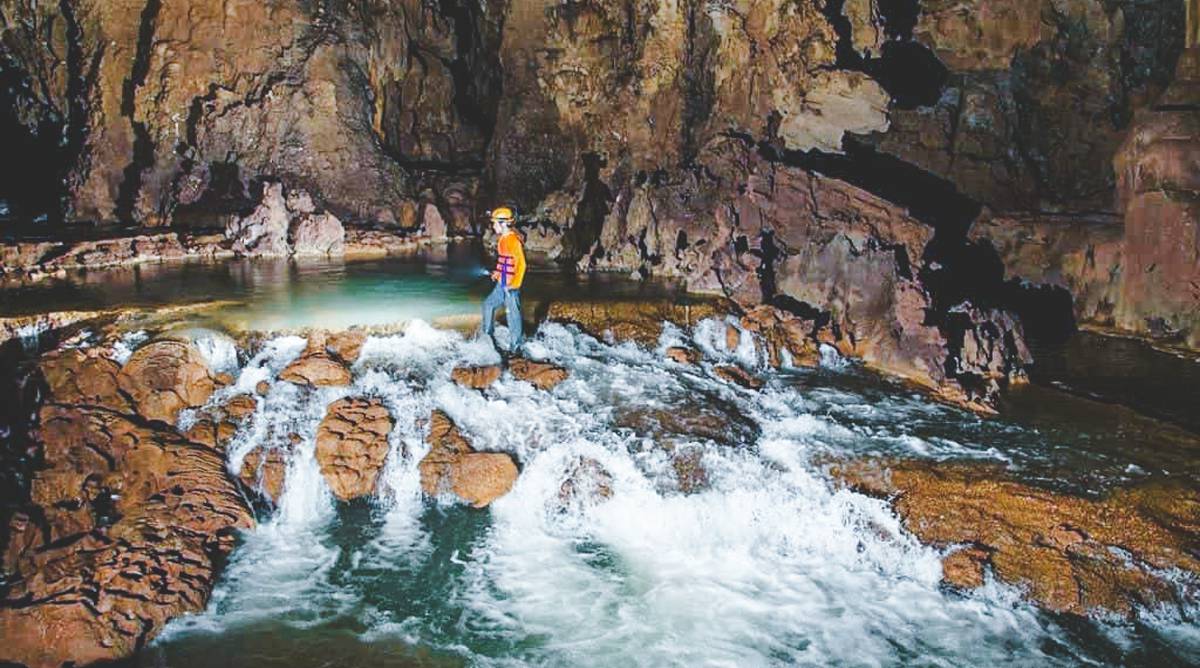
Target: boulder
<point>476,377</point>
<point>317,234</point>
<point>690,474</point>
<point>704,418</point>
<point>264,470</point>
<point>157,516</point>
<point>347,345</point>
<point>453,466</point>
<point>264,231</point>
<point>1069,554</point>
<point>352,445</point>
<point>316,366</point>
<point>739,376</point>
<point>164,377</point>
<point>83,376</point>
<point>542,375</point>
<point>683,355</point>
<point>216,427</point>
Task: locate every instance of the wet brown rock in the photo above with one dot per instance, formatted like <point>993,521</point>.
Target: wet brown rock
<point>1070,554</point>
<point>637,321</point>
<point>777,331</point>
<point>964,568</point>
<point>216,427</point>
<point>738,375</point>
<point>733,337</point>
<point>100,595</point>
<point>265,470</point>
<point>317,234</point>
<point>682,355</point>
<point>586,480</point>
<point>347,344</point>
<point>476,377</point>
<point>164,377</point>
<point>707,418</point>
<point>453,466</point>
<point>542,375</point>
<point>316,366</point>
<point>75,376</point>
<point>690,474</point>
<point>261,388</point>
<point>352,444</point>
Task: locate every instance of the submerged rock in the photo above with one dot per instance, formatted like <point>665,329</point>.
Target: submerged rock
<point>1068,553</point>
<point>542,375</point>
<point>217,427</point>
<point>164,377</point>
<point>585,481</point>
<point>453,466</point>
<point>352,445</point>
<point>137,519</point>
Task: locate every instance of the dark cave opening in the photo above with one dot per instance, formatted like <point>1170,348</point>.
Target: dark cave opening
<point>909,71</point>
<point>31,179</point>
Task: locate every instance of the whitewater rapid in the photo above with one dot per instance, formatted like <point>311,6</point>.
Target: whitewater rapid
<point>768,564</point>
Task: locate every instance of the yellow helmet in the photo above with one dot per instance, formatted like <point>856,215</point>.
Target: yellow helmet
<point>502,213</point>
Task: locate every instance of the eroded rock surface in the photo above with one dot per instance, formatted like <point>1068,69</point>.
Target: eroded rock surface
<point>638,321</point>
<point>317,365</point>
<point>137,519</point>
<point>164,377</point>
<point>476,377</point>
<point>352,445</point>
<point>542,375</point>
<point>1070,554</point>
<point>453,466</point>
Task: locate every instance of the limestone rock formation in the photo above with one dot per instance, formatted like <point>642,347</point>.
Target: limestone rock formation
<point>453,466</point>
<point>86,377</point>
<point>265,471</point>
<point>542,375</point>
<point>217,427</point>
<point>683,355</point>
<point>1158,170</point>
<point>638,321</point>
<point>476,377</point>
<point>737,375</point>
<point>317,366</point>
<point>352,445</point>
<point>1069,553</point>
<point>286,225</point>
<point>164,377</point>
<point>585,481</point>
<point>136,521</point>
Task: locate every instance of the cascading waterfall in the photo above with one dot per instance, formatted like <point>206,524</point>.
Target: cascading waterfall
<point>766,564</point>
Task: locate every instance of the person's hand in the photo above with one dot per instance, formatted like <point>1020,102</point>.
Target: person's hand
<point>496,276</point>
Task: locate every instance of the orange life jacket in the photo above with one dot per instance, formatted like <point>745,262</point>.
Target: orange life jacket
<point>510,260</point>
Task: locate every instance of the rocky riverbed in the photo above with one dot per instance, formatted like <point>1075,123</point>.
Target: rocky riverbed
<point>150,451</point>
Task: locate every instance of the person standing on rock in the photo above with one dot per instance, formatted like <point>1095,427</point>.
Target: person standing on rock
<point>508,276</point>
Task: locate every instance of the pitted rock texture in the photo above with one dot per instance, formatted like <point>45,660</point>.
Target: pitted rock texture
<point>136,519</point>
<point>352,444</point>
<point>217,427</point>
<point>638,321</point>
<point>1069,554</point>
<point>453,466</point>
<point>476,377</point>
<point>542,375</point>
<point>164,377</point>
<point>318,365</point>
<point>264,470</point>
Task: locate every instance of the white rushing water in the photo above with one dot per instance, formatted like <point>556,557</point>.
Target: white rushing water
<point>766,564</point>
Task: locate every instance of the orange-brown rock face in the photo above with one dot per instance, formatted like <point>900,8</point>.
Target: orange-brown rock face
<point>1159,172</point>
<point>638,321</point>
<point>165,377</point>
<point>265,470</point>
<point>317,365</point>
<point>453,466</point>
<point>352,444</point>
<point>542,375</point>
<point>137,517</point>
<point>476,377</point>
<point>1070,554</point>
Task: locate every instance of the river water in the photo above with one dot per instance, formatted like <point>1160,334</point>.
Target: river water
<point>764,563</point>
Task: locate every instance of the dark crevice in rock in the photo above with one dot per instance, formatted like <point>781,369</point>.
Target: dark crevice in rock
<point>590,213</point>
<point>478,82</point>
<point>910,73</point>
<point>143,143</point>
<point>699,93</point>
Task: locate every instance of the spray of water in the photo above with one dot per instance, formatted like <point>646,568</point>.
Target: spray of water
<point>765,564</point>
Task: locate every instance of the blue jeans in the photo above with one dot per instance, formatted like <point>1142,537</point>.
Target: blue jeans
<point>511,300</point>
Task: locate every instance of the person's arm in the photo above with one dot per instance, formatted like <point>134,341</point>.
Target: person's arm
<point>518,261</point>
